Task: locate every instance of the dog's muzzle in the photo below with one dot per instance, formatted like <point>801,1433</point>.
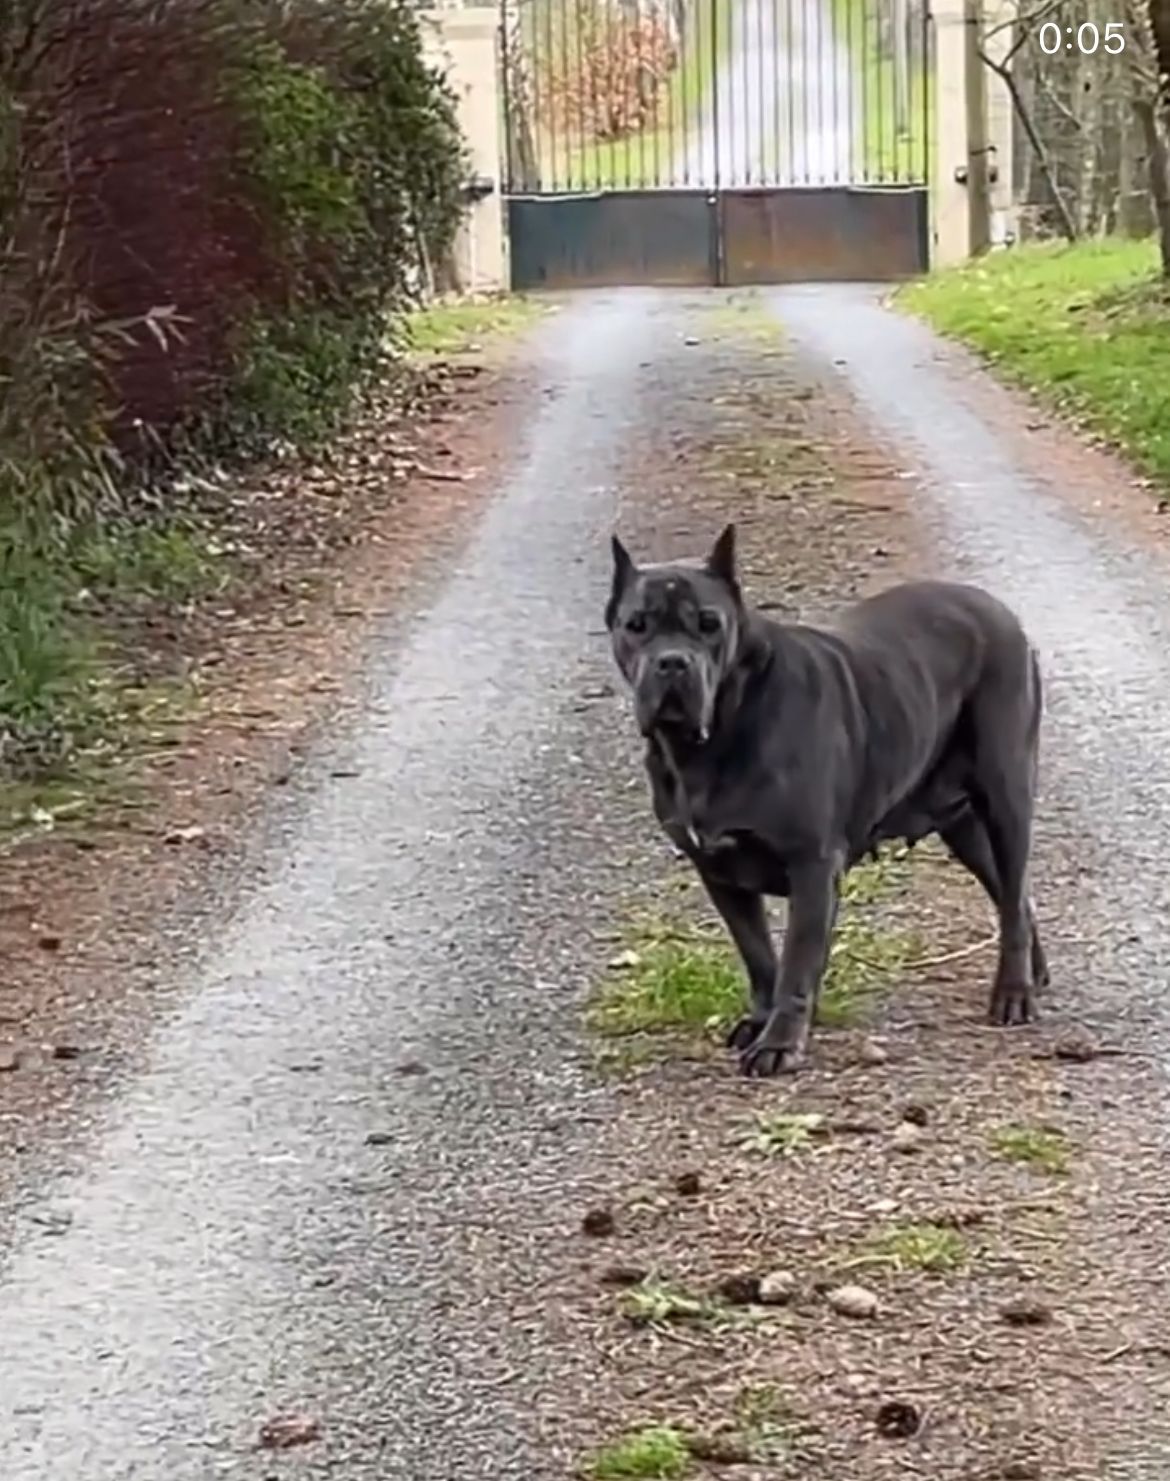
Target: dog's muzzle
<point>670,694</point>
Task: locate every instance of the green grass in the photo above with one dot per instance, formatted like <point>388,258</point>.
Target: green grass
<point>1034,1146</point>
<point>1086,327</point>
<point>652,155</point>
<point>453,328</point>
<point>864,961</point>
<point>658,1451</point>
<point>173,561</point>
<point>673,977</point>
<point>929,1247</point>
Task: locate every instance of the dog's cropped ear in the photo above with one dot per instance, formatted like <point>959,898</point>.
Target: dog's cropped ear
<point>721,561</point>
<point>624,571</point>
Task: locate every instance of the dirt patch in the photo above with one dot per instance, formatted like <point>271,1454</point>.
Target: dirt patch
<point>333,551</point>
<point>961,1294</point>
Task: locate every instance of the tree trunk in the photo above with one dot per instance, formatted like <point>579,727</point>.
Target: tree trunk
<point>1154,114</point>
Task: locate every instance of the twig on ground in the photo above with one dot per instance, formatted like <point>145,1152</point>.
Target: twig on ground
<point>920,964</point>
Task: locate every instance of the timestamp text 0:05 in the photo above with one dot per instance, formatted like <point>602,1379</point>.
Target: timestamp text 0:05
<point>1088,38</point>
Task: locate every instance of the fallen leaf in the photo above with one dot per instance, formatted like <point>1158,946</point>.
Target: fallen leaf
<point>289,1430</point>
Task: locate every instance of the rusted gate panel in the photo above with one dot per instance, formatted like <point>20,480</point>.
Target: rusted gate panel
<point>614,239</point>
<point>846,234</point>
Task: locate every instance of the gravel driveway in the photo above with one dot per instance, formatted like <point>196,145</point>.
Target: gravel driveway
<point>365,1129</point>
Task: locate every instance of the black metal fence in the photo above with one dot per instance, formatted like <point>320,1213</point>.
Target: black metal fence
<point>642,95</point>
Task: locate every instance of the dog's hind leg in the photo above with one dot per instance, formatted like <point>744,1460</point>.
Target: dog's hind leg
<point>746,918</point>
<point>966,838</point>
<point>1002,790</point>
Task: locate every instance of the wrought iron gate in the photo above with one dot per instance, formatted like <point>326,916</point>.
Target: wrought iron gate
<point>715,141</point>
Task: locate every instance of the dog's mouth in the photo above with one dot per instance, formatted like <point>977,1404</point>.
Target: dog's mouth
<point>675,716</point>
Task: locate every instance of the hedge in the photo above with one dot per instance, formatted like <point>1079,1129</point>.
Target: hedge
<point>210,211</point>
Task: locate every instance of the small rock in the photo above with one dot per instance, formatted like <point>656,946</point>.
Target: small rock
<point>853,1301</point>
<point>411,1067</point>
<point>689,1184</point>
<point>289,1430</point>
<point>67,1051</point>
<point>740,1290</point>
<point>9,1060</point>
<point>598,1222</point>
<point>691,340</point>
<point>49,943</point>
<point>625,959</point>
<point>379,1138</point>
<point>777,1288</point>
<point>624,1275</point>
<point>872,1053</point>
<point>1020,1470</point>
<point>186,835</point>
<point>897,1420</point>
<point>916,1115</point>
<point>1075,1049</point>
<point>907,1137</point>
<point>1026,1313</point>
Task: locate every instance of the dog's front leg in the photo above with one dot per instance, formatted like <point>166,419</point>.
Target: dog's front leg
<point>746,918</point>
<point>812,910</point>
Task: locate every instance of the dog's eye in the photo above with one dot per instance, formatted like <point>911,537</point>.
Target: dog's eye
<point>709,622</point>
<point>636,622</point>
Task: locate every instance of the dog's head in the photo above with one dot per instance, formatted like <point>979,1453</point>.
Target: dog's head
<point>676,632</point>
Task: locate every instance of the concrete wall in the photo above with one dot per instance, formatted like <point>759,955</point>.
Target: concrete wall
<point>464,42</point>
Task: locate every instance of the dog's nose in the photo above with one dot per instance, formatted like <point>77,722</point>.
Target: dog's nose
<point>669,665</point>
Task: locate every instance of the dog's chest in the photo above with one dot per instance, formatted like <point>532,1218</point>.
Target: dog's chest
<point>717,828</point>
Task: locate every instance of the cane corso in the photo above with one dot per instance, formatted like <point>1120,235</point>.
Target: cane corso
<point>780,755</point>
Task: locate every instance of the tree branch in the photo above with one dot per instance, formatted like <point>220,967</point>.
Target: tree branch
<point>1003,71</point>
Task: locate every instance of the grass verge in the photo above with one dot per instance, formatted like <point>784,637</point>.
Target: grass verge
<point>1086,327</point>
<point>457,326</point>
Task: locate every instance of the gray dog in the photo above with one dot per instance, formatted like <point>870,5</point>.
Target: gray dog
<point>780,755</point>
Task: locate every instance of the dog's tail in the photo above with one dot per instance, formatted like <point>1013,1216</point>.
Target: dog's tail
<point>1037,696</point>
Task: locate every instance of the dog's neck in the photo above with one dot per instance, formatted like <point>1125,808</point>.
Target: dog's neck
<point>686,762</point>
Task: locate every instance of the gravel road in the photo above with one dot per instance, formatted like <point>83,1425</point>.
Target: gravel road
<point>236,1248</point>
<point>363,1126</point>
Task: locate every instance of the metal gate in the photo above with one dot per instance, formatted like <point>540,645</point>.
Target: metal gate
<point>715,141</point>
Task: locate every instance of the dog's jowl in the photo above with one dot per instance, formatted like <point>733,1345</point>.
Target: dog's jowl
<point>779,755</point>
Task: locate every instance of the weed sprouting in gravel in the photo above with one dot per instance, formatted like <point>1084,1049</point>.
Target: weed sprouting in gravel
<point>1036,1146</point>
<point>929,1247</point>
<point>657,1302</point>
<point>656,1451</point>
<point>785,1133</point>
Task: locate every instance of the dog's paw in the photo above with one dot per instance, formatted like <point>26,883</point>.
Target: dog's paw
<point>745,1033</point>
<point>1012,1004</point>
<point>762,1061</point>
